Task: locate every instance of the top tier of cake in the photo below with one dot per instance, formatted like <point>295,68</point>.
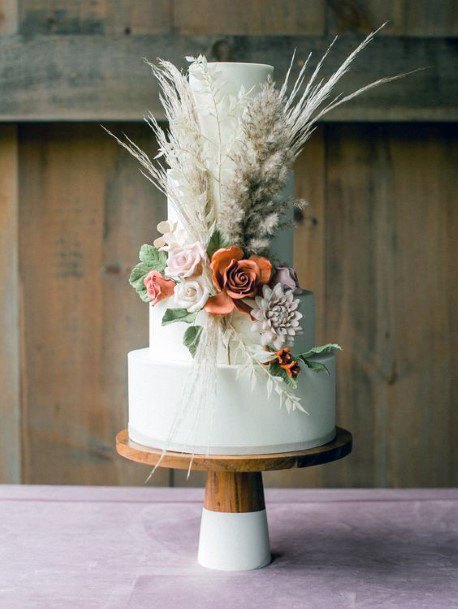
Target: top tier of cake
<point>233,86</point>
<point>219,106</point>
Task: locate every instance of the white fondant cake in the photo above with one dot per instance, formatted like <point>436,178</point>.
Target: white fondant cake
<point>244,419</point>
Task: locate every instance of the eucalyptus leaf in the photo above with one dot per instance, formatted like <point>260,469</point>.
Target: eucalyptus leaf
<point>191,338</point>
<point>173,315</point>
<point>138,273</point>
<point>315,366</point>
<point>329,348</point>
<point>217,241</point>
<point>153,258</point>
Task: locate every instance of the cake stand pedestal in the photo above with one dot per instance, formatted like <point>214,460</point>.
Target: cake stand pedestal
<point>233,533</point>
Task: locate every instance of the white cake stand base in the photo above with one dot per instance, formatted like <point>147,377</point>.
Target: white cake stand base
<point>234,541</point>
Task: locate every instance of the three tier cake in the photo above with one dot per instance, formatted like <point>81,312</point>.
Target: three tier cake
<point>274,390</point>
<point>232,365</point>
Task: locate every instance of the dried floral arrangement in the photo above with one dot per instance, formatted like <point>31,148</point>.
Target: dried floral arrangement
<point>214,261</point>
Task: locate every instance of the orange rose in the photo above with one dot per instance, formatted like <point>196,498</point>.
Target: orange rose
<point>236,278</point>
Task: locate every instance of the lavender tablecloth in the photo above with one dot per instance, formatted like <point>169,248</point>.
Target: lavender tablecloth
<point>131,548</point>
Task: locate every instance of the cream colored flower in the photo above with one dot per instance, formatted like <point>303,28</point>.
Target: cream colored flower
<point>168,238</point>
<point>191,294</point>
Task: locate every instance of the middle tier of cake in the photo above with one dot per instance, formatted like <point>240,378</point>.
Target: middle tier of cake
<point>166,341</point>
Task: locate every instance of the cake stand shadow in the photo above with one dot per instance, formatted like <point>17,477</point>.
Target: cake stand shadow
<point>234,534</point>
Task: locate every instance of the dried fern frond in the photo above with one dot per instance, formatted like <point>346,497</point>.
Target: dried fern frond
<point>254,369</point>
<point>186,184</point>
<point>275,127</point>
<point>251,211</point>
<point>308,101</point>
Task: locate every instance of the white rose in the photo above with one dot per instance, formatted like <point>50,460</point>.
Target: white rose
<point>191,294</point>
<point>184,261</point>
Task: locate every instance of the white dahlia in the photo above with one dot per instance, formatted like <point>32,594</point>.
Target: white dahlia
<point>277,316</point>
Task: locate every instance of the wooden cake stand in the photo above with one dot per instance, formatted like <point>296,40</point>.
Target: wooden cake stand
<point>234,534</point>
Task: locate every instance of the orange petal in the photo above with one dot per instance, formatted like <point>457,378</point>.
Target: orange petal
<point>169,288</point>
<point>223,256</point>
<point>242,307</point>
<point>221,304</point>
<point>265,268</point>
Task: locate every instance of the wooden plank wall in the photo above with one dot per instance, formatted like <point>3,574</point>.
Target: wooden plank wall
<point>377,244</point>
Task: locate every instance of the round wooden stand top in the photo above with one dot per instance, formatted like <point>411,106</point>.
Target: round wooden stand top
<point>337,449</point>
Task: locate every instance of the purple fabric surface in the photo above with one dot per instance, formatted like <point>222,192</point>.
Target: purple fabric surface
<point>126,548</point>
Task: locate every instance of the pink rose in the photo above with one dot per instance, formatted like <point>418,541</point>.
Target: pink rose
<point>185,260</point>
<point>157,287</point>
<point>287,276</point>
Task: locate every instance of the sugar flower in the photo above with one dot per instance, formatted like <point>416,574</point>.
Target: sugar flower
<point>157,287</point>
<point>276,316</point>
<point>185,261</point>
<point>168,236</point>
<point>286,361</point>
<point>287,276</point>
<point>236,278</point>
<point>192,294</point>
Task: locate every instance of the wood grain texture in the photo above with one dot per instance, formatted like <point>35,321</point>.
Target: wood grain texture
<point>234,492</point>
<point>105,78</point>
<point>94,17</point>
<point>388,301</point>
<point>220,17</point>
<point>309,236</point>
<point>403,17</point>
<point>8,17</point>
<point>451,254</point>
<point>10,407</point>
<point>85,209</point>
<point>337,449</point>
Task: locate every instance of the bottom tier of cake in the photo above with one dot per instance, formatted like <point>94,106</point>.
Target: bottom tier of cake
<point>243,419</point>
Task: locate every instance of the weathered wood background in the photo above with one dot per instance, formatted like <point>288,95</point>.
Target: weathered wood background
<point>377,244</point>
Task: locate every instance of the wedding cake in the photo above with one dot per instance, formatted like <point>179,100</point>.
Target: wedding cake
<point>232,365</point>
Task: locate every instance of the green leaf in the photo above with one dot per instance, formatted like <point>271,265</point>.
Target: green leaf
<point>276,370</point>
<point>315,366</point>
<point>191,338</point>
<point>144,295</point>
<point>329,348</point>
<point>138,273</point>
<point>173,315</point>
<point>153,258</point>
<point>136,278</point>
<point>217,241</point>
